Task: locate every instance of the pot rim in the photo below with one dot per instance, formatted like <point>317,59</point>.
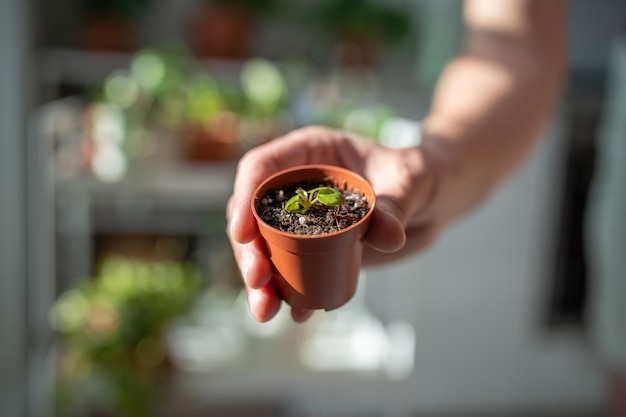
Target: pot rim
<point>349,173</point>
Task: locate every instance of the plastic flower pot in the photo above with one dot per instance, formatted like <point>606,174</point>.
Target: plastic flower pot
<point>316,271</point>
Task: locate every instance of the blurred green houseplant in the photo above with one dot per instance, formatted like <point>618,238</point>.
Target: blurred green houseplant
<point>111,327</point>
<point>361,25</point>
<point>164,89</point>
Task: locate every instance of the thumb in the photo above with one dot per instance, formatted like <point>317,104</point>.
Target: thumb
<point>386,231</point>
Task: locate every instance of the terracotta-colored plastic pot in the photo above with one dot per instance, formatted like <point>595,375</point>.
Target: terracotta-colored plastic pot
<point>108,32</point>
<point>222,30</point>
<point>320,271</point>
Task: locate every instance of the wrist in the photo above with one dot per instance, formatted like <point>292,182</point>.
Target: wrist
<point>424,176</point>
<point>445,170</point>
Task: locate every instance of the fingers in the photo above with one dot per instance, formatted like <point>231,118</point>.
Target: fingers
<point>307,145</point>
<point>264,302</point>
<point>300,315</point>
<point>386,231</point>
<point>250,173</point>
<point>254,168</point>
<point>417,239</point>
<point>257,272</point>
<point>298,147</point>
<point>254,263</point>
<point>263,298</point>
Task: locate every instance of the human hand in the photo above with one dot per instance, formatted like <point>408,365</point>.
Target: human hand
<point>402,221</point>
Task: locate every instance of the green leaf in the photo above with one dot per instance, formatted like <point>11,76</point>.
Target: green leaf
<point>293,204</point>
<point>296,205</point>
<point>302,201</point>
<point>302,193</point>
<point>328,196</point>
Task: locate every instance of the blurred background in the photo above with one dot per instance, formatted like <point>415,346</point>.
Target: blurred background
<point>121,124</point>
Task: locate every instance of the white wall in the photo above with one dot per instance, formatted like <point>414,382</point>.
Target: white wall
<point>592,26</point>
<point>476,300</point>
<point>13,44</point>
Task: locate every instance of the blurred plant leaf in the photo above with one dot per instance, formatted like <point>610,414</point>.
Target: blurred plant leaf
<point>362,19</point>
<point>263,85</point>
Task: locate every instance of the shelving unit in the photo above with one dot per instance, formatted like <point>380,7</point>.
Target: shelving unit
<point>177,200</point>
<point>171,197</point>
<point>476,298</point>
<point>167,196</point>
<point>85,67</point>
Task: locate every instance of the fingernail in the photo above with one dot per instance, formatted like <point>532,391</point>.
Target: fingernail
<point>231,225</point>
<point>255,297</point>
<point>246,264</point>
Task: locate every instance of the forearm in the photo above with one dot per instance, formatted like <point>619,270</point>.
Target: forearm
<point>492,102</point>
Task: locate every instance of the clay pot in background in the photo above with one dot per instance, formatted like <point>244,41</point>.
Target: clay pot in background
<point>108,32</point>
<point>221,30</point>
<point>321,271</point>
<point>215,141</point>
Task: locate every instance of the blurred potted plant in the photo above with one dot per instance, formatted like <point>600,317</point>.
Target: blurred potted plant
<point>360,26</point>
<point>211,130</point>
<point>130,115</point>
<point>223,28</point>
<point>109,24</point>
<point>113,354</point>
<point>165,103</point>
<point>225,120</point>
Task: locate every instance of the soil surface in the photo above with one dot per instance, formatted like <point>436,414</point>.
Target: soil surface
<point>320,218</point>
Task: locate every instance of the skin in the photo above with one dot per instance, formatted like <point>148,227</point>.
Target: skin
<point>489,107</point>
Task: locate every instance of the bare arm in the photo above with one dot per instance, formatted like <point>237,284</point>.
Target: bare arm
<point>489,107</point>
<point>495,97</point>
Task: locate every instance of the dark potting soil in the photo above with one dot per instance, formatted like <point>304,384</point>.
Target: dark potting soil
<point>320,218</point>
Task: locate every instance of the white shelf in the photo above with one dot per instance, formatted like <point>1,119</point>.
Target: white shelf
<point>174,185</point>
<point>87,67</point>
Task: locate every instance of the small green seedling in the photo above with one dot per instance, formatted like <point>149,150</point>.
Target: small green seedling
<point>302,201</point>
